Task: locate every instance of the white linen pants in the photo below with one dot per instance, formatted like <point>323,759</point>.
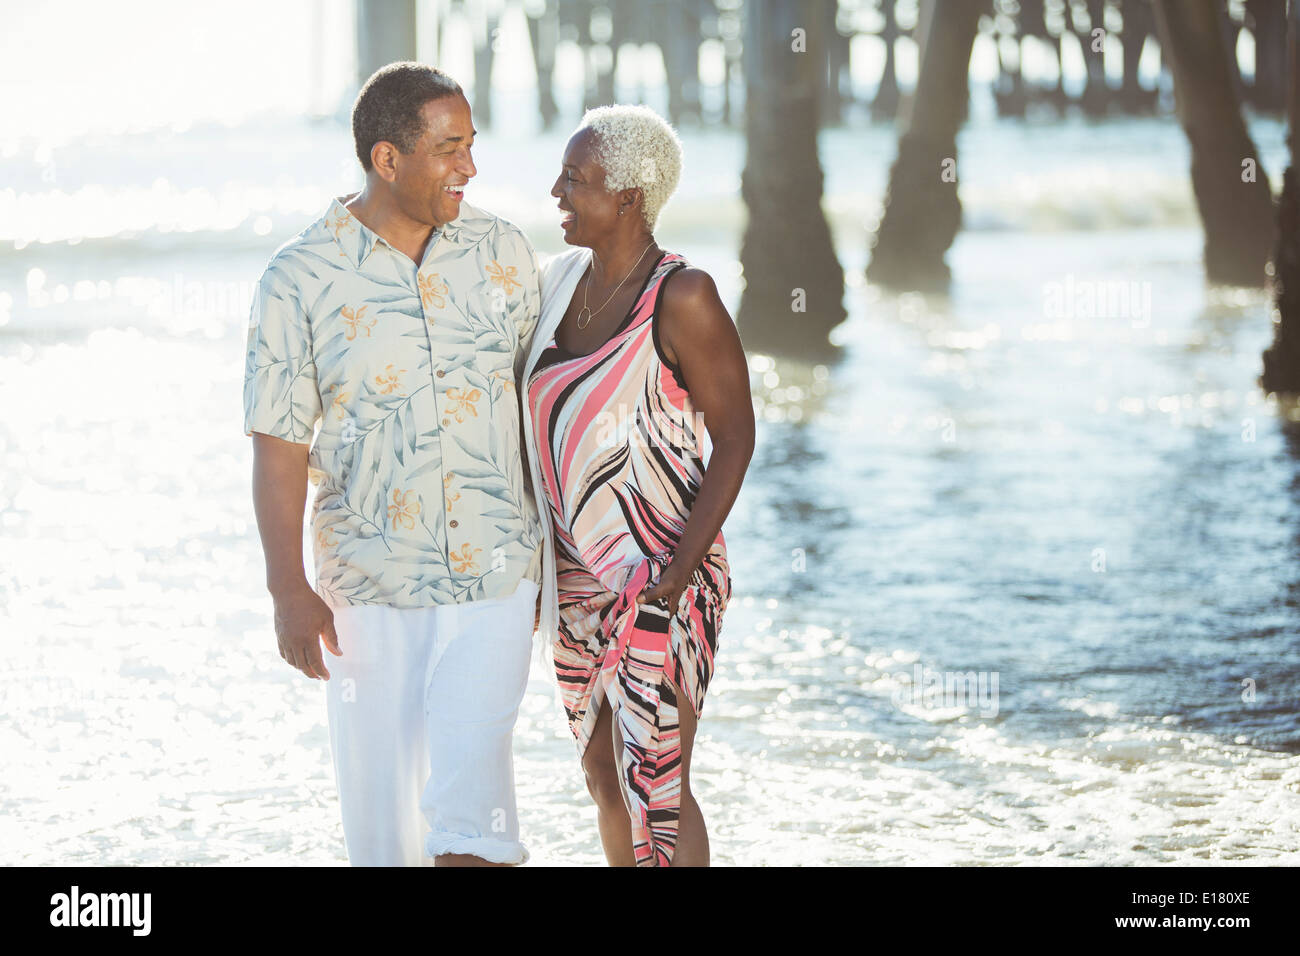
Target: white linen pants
<point>422,708</point>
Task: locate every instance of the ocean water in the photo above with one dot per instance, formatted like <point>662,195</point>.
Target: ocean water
<point>1059,481</point>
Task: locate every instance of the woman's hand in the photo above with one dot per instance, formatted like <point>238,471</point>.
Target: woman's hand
<point>671,584</point>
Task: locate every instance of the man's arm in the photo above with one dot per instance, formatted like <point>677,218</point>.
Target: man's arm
<point>302,619</point>
<point>281,408</point>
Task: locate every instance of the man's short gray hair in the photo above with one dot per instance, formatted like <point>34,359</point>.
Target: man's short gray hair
<point>637,149</point>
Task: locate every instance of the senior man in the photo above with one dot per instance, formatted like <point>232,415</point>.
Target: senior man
<point>399,322</point>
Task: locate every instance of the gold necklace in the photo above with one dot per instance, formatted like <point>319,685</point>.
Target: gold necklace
<point>586,285</point>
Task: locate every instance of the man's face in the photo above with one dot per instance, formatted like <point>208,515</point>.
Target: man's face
<point>429,181</point>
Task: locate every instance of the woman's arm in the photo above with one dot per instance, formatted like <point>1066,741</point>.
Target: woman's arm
<point>698,336</point>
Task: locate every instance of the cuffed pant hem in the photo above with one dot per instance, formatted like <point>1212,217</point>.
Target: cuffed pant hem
<point>485,848</point>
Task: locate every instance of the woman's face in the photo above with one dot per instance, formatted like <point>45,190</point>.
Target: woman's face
<point>591,212</point>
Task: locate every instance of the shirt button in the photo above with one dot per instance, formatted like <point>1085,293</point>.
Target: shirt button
<point>455,523</point>
<point>441,373</point>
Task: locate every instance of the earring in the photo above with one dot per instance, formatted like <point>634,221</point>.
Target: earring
<point>620,212</point>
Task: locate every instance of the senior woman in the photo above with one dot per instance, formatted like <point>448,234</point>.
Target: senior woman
<point>635,378</point>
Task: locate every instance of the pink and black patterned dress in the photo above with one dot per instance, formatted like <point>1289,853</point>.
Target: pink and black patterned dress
<point>622,450</point>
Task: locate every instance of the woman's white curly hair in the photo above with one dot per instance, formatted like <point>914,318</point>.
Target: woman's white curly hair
<point>637,149</point>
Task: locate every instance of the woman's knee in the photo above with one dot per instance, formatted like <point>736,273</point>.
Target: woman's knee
<point>602,784</point>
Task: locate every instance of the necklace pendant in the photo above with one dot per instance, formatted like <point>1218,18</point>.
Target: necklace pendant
<point>581,323</point>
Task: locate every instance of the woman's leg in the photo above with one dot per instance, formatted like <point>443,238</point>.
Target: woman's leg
<point>677,726</point>
<point>600,764</point>
<point>645,700</point>
<point>692,837</point>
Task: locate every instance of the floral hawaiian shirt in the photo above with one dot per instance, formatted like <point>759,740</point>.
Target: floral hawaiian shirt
<point>411,375</point>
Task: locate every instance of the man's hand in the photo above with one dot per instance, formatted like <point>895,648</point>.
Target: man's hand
<point>302,621</point>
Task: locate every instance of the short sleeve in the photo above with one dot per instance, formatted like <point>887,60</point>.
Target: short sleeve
<point>281,397</point>
<point>528,308</point>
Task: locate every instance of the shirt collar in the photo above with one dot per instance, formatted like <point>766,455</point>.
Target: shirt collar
<point>357,240</point>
